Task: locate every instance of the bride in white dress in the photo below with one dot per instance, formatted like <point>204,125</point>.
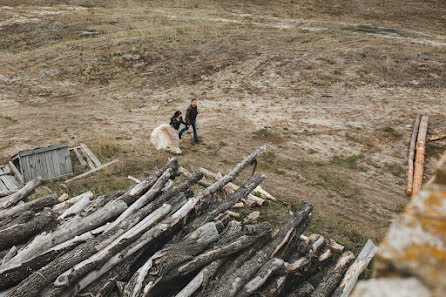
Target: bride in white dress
<point>166,136</point>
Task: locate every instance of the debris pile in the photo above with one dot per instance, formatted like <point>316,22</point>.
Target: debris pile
<point>160,239</point>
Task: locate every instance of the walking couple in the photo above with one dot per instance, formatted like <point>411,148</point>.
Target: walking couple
<point>167,136</point>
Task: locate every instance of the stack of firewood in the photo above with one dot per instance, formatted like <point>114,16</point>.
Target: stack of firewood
<point>160,239</point>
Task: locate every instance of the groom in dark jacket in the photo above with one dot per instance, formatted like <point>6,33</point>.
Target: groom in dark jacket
<point>191,119</point>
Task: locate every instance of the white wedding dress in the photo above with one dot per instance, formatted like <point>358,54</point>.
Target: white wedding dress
<point>164,137</point>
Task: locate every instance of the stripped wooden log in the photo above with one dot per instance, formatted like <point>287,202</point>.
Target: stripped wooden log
<point>21,194</point>
<point>164,260</point>
<point>201,279</point>
<point>273,266</point>
<point>137,181</point>
<point>139,189</point>
<point>99,202</point>
<point>252,218</point>
<point>419,157</point>
<point>35,205</point>
<point>51,271</point>
<point>8,192</point>
<point>11,253</point>
<point>335,246</point>
<point>238,205</point>
<point>233,214</point>
<point>274,287</point>
<point>63,197</point>
<point>67,203</point>
<point>411,156</point>
<point>91,171</point>
<point>170,222</point>
<point>354,271</point>
<point>250,200</point>
<point>232,281</point>
<point>13,275</point>
<point>21,233</point>
<point>437,138</point>
<point>68,278</point>
<point>264,193</point>
<point>303,290</point>
<point>144,199</point>
<point>80,253</point>
<point>204,182</point>
<point>334,277</point>
<point>229,245</point>
<point>216,209</point>
<point>68,230</point>
<point>75,208</point>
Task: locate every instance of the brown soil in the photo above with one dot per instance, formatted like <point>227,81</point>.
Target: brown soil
<point>330,87</point>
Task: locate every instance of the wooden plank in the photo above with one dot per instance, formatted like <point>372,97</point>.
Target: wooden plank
<point>91,155</point>
<point>26,168</point>
<point>66,168</point>
<point>1,171</point>
<point>14,181</point>
<point>49,164</point>
<point>56,163</point>
<point>17,174</point>
<point>79,157</point>
<point>3,188</point>
<point>89,162</point>
<point>43,166</point>
<point>6,169</point>
<point>91,171</point>
<point>42,149</point>
<point>75,148</point>
<point>7,182</point>
<point>35,164</point>
<point>7,193</point>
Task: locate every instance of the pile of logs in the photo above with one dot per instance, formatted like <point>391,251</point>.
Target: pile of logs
<point>159,238</point>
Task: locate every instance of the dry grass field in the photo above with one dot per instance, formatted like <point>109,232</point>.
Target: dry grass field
<point>330,86</point>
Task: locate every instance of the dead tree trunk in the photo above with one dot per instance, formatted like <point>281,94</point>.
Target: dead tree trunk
<point>304,290</point>
<point>201,279</point>
<point>100,202</point>
<point>36,205</point>
<point>419,157</point>
<point>144,199</point>
<point>334,277</point>
<point>163,261</point>
<point>227,203</point>
<point>67,203</point>
<point>229,245</point>
<point>274,286</point>
<point>411,158</point>
<point>68,230</point>
<point>354,271</point>
<point>21,194</point>
<point>250,200</point>
<point>136,191</point>
<point>21,233</point>
<point>52,270</point>
<point>232,281</point>
<point>170,222</point>
<point>69,277</point>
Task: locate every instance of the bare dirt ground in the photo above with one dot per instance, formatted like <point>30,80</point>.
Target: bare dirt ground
<point>331,87</point>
